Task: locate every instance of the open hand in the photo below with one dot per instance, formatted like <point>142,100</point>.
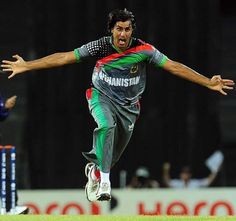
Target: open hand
<point>15,67</point>
<point>219,84</point>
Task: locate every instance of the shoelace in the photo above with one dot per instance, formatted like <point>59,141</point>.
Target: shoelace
<point>104,186</point>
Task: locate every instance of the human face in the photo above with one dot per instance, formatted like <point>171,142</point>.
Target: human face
<point>122,32</point>
<point>185,176</point>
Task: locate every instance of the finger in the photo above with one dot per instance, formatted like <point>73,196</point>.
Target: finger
<point>223,92</point>
<point>229,84</point>
<point>228,88</point>
<point>12,75</point>
<point>227,81</point>
<point>5,65</point>
<point>7,69</point>
<point>16,56</point>
<point>6,62</point>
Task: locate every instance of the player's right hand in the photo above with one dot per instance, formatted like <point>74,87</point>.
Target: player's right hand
<point>15,67</point>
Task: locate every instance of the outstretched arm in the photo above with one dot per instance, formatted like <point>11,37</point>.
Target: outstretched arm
<point>216,83</point>
<point>54,60</point>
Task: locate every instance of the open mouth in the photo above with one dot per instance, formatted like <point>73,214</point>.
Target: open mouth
<point>122,41</point>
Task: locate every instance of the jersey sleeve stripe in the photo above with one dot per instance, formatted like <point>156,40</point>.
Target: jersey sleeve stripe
<point>163,61</point>
<point>77,55</point>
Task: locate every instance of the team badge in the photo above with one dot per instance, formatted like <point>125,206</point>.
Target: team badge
<point>134,69</point>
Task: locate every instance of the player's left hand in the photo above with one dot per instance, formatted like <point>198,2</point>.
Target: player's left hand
<point>219,84</point>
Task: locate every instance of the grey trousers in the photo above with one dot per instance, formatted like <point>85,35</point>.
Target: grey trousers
<point>115,124</point>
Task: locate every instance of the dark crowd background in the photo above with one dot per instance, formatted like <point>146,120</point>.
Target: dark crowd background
<point>180,122</point>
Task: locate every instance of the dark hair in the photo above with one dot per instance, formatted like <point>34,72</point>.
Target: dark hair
<point>120,15</point>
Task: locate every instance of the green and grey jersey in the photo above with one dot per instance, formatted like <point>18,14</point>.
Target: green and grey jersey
<point>120,75</point>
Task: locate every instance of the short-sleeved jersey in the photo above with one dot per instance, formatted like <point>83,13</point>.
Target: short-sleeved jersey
<point>120,75</point>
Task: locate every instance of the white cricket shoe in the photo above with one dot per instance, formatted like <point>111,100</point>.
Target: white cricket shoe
<point>21,210</point>
<point>92,185</point>
<point>18,210</point>
<point>104,192</point>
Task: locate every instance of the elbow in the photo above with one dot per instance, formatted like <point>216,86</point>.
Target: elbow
<point>173,66</point>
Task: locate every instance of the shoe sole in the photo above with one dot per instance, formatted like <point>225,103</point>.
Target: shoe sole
<point>26,211</point>
<point>104,197</point>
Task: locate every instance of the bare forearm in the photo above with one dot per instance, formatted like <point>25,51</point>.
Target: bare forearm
<point>187,73</point>
<point>54,60</point>
<point>50,61</point>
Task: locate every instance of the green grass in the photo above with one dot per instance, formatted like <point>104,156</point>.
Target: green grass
<point>112,218</point>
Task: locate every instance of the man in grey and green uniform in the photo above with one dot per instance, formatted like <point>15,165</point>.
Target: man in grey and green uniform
<point>118,82</point>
